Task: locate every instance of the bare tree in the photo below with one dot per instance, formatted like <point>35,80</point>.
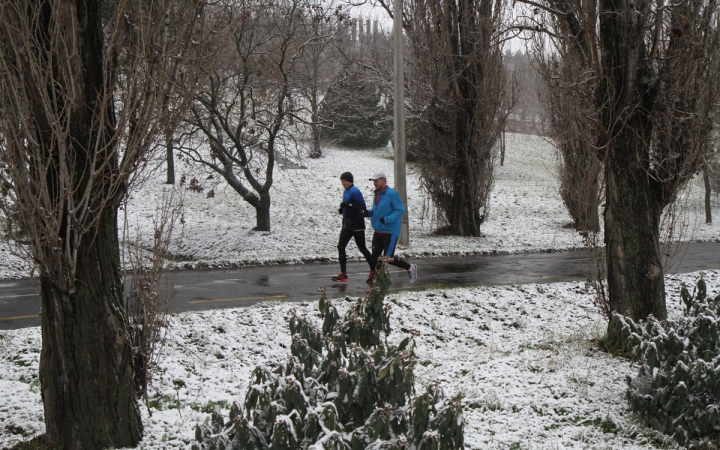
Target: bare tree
<point>80,112</point>
<point>326,27</point>
<point>151,285</point>
<point>711,170</point>
<point>457,104</point>
<point>654,67</point>
<point>568,80</point>
<point>527,114</point>
<point>250,111</point>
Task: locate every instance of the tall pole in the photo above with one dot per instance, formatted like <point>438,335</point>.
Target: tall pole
<point>400,185</point>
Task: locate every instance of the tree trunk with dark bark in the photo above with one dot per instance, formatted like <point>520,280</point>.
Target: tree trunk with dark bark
<point>706,180</point>
<point>502,149</point>
<point>86,374</point>
<point>262,213</point>
<point>316,151</point>
<point>82,104</point>
<point>316,145</point>
<point>85,366</point>
<point>170,158</point>
<point>636,284</point>
<point>464,213</point>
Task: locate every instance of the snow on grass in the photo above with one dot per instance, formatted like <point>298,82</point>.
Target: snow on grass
<point>11,265</point>
<point>525,358</point>
<point>525,214</point>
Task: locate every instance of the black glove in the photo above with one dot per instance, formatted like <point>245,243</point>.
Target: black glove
<point>344,204</point>
<point>365,213</point>
<point>339,210</point>
<point>382,220</point>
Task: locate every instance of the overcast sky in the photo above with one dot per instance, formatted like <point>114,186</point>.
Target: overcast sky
<point>370,9</point>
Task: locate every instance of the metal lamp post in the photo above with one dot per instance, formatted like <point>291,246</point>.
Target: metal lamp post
<point>399,98</point>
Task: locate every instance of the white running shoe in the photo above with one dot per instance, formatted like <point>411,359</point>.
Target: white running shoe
<point>412,273</point>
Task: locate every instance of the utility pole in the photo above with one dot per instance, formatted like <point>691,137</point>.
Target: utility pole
<point>400,184</point>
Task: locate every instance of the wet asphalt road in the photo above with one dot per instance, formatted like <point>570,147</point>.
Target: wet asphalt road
<point>212,289</point>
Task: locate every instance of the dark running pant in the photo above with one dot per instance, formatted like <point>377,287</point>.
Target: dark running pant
<point>385,242</point>
<point>345,236</point>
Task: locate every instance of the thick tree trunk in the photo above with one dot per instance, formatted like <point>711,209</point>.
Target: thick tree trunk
<point>706,179</point>
<point>635,278</point>
<point>85,370</point>
<point>465,214</point>
<point>316,148</point>
<point>636,284</point>
<point>262,212</point>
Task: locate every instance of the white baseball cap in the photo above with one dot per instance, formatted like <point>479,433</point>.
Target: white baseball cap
<point>377,175</point>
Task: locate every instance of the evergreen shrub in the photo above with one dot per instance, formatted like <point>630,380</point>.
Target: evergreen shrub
<point>677,390</point>
<point>343,388</point>
<point>356,115</point>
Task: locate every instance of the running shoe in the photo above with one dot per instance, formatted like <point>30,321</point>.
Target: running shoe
<point>341,277</point>
<point>412,273</point>
<point>371,277</point>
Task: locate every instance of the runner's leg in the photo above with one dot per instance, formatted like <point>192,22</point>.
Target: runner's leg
<point>360,242</point>
<point>377,249</point>
<point>390,251</point>
<point>345,237</point>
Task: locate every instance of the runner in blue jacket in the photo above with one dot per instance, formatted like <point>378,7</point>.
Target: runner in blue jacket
<point>352,209</point>
<point>385,215</point>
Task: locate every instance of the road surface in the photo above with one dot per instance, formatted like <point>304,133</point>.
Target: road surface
<point>211,289</point>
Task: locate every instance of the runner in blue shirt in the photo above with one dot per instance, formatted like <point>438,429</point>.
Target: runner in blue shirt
<point>387,210</point>
<point>352,209</point>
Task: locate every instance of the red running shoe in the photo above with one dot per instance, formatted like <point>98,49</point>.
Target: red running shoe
<point>341,277</point>
<point>371,277</point>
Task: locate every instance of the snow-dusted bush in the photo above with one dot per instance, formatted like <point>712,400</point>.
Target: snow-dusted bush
<point>678,388</point>
<point>343,388</point>
<point>356,113</point>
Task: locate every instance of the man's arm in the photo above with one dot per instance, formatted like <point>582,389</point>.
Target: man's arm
<point>366,212</point>
<point>357,202</point>
<point>398,210</point>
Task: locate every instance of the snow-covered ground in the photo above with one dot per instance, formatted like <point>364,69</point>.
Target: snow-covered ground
<point>526,212</point>
<point>524,357</point>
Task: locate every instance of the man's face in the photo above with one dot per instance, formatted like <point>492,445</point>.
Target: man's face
<point>380,184</point>
<point>346,184</point>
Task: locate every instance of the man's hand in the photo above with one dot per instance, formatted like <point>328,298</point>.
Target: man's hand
<point>339,210</point>
<point>344,204</point>
<point>382,220</point>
